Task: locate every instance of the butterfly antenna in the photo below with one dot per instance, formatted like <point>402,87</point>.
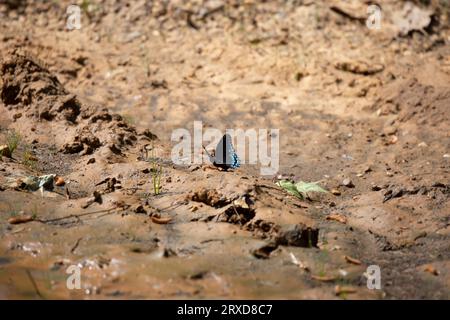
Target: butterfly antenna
<point>211,158</point>
<point>206,151</point>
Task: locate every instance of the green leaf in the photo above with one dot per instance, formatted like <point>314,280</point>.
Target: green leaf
<point>305,187</point>
<point>289,187</point>
<point>301,188</point>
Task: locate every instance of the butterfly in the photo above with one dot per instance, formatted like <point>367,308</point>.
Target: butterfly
<point>224,157</point>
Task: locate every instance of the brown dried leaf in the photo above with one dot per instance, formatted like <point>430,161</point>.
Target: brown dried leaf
<point>430,269</point>
<point>352,260</point>
<point>324,278</point>
<point>161,220</point>
<point>337,217</point>
<point>21,219</point>
<point>343,290</point>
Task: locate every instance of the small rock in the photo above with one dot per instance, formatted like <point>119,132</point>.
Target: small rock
<point>393,140</point>
<point>73,147</point>
<point>4,151</point>
<point>147,133</point>
<point>336,192</point>
<point>198,275</point>
<point>95,198</point>
<point>419,235</point>
<point>114,149</point>
<point>348,183</point>
<point>91,160</point>
<point>446,155</point>
<point>168,252</point>
<point>376,187</point>
<point>298,235</point>
<point>422,145</point>
<point>139,209</point>
<point>390,130</point>
<point>265,251</point>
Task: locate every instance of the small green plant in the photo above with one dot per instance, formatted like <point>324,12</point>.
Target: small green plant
<point>322,260</point>
<point>89,8</point>
<point>34,212</point>
<point>12,141</point>
<point>156,171</point>
<point>128,119</point>
<point>28,159</point>
<point>14,210</point>
<point>85,6</point>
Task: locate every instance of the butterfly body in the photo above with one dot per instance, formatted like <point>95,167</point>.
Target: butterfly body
<point>225,156</point>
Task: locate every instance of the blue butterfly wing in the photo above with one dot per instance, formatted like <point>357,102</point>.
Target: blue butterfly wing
<point>235,163</point>
<point>225,154</point>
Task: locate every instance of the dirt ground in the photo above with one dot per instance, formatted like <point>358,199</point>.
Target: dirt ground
<point>365,112</point>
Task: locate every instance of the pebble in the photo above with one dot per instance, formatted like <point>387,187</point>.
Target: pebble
<point>139,209</point>
<point>376,187</point>
<point>348,183</point>
<point>4,151</point>
<point>390,130</point>
<point>336,192</point>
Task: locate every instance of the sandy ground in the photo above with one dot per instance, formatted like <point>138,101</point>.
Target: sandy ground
<point>369,106</point>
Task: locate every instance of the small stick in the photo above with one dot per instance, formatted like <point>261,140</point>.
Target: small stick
<point>75,215</point>
<point>36,289</point>
<point>76,245</point>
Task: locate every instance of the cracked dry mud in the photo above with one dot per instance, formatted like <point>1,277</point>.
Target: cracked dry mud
<point>371,108</point>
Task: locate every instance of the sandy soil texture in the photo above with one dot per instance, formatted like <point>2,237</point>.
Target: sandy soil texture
<point>363,112</point>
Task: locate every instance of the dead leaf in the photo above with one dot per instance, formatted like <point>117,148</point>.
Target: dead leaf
<point>337,217</point>
<point>352,260</point>
<point>161,220</point>
<point>430,269</point>
<point>353,11</point>
<point>343,290</point>
<point>297,262</point>
<point>324,278</point>
<point>21,219</point>
<point>359,67</point>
